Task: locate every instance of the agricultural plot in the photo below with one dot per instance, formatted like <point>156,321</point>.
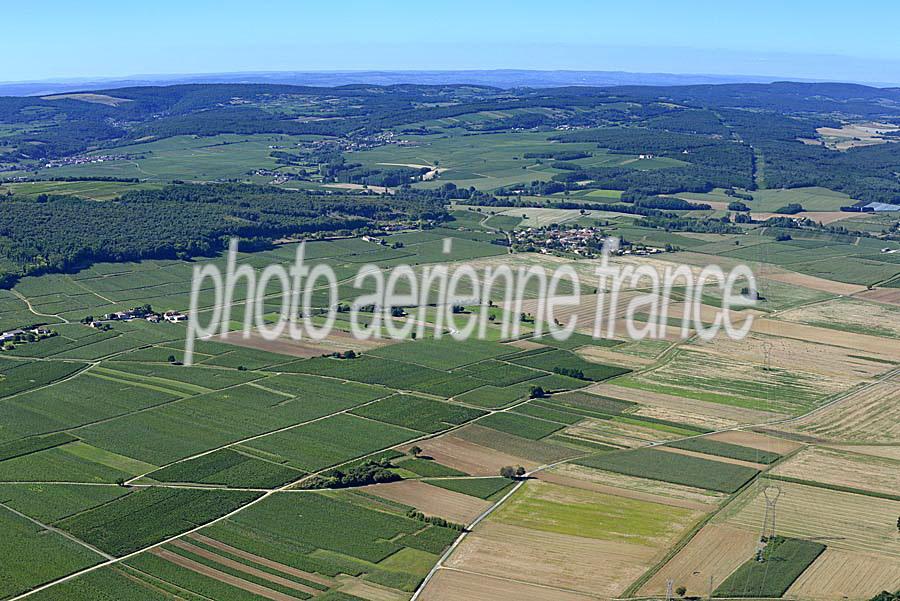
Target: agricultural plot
<point>418,413</point>
<point>470,457</point>
<point>328,442</point>
<point>228,468</point>
<point>870,415</point>
<point>520,425</point>
<point>21,376</point>
<point>849,315</point>
<point>675,468</point>
<point>482,488</point>
<point>73,462</point>
<point>570,539</point>
<point>500,373</point>
<point>33,555</point>
<point>724,449</point>
<point>442,353</point>
<point>799,376</point>
<point>531,450</point>
<point>842,520</point>
<point>842,575</point>
<point>49,503</point>
<point>164,513</point>
<point>556,360</point>
<point>427,468</point>
<point>784,560</point>
<point>843,468</point>
<point>456,507</point>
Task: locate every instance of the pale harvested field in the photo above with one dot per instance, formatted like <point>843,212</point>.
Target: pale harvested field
<point>739,415</point>
<point>337,340</point>
<point>800,348</point>
<point>431,500</point>
<point>839,575</point>
<point>246,585</point>
<point>91,98</point>
<point>887,451</point>
<point>453,585</point>
<point>369,591</point>
<point>649,490</point>
<point>843,468</point>
<point>469,457</point>
<point>890,296</point>
<point>750,464</point>
<point>754,440</point>
<point>813,282</point>
<point>856,343</point>
<point>870,415</point>
<point>686,417</point>
<point>559,476</point>
<point>525,344</point>
<point>599,354</point>
<point>623,435</point>
<point>876,319</point>
<point>717,550</point>
<point>840,520</point>
<point>598,567</point>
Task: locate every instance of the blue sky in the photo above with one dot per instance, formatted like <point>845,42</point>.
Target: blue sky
<point>825,39</point>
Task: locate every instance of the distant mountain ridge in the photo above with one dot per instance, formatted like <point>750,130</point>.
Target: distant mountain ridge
<point>500,78</point>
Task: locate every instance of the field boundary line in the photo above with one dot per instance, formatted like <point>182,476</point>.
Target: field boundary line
<point>62,533</point>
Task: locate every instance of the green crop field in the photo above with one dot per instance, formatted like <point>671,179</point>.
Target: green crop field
<point>418,413</point>
<point>562,359</point>
<point>483,488</point>
<point>229,468</point>
<point>785,560</point>
<point>674,468</point>
<point>164,513</point>
<point>520,425</point>
<point>724,449</point>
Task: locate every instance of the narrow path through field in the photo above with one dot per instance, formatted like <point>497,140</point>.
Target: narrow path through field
<point>27,302</point>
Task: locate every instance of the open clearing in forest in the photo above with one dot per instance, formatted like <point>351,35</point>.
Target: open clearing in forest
<point>869,415</point>
<point>717,550</point>
<point>843,468</point>
<point>431,500</point>
<point>838,575</point>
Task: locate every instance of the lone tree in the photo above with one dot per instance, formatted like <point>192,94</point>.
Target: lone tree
<point>681,591</point>
<point>520,472</point>
<point>508,471</point>
<point>172,359</point>
<point>415,450</point>
<point>537,392</point>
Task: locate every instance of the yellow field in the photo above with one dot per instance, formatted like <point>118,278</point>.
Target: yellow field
<point>870,415</point>
<point>843,468</point>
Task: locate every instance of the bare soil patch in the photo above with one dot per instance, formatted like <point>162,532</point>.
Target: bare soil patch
<point>890,296</point>
<point>469,457</point>
<point>717,550</point>
<point>432,500</point>
<point>598,567</point>
<point>337,340</point>
<point>757,441</point>
<point>240,583</point>
<point>813,282</point>
<point>456,585</point>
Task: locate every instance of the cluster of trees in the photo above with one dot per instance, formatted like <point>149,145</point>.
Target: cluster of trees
<point>721,225</point>
<point>368,472</point>
<point>183,221</point>
<point>434,520</point>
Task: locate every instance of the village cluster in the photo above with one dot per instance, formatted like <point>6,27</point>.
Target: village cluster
<point>144,312</point>
<point>9,339</point>
<point>583,241</point>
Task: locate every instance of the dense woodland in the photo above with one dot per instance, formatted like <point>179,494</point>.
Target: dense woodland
<point>62,232</point>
